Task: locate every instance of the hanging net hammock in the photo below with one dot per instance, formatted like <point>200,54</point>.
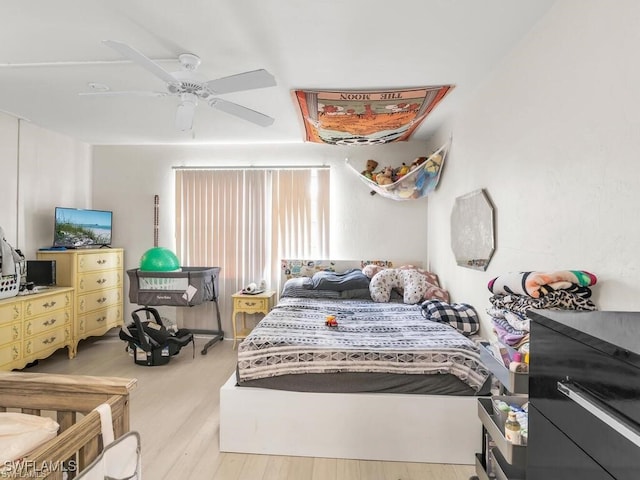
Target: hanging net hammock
<point>418,182</point>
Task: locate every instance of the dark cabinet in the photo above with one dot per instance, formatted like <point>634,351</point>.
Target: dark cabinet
<point>584,392</point>
<point>557,456</point>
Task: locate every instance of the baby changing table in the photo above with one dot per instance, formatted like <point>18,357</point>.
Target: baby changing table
<point>188,287</point>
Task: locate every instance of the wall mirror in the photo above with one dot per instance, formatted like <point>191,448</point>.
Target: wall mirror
<point>472,230</point>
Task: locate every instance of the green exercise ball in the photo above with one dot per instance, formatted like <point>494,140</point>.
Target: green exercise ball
<point>159,259</point>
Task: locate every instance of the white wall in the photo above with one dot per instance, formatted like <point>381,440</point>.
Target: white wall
<point>554,140</point>
<point>362,226</point>
<point>40,169</point>
<point>9,184</point>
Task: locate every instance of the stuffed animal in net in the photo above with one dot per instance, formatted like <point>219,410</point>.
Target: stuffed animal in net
<point>371,167</point>
<point>385,177</point>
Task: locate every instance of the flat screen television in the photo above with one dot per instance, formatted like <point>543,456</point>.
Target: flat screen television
<point>79,228</point>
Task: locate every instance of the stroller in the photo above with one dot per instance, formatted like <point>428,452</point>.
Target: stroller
<point>150,341</point>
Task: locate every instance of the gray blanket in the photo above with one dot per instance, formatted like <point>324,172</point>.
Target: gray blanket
<point>370,337</point>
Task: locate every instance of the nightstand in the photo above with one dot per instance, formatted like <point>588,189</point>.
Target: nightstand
<point>249,304</point>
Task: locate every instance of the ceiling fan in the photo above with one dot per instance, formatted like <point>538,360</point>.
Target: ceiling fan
<point>190,87</point>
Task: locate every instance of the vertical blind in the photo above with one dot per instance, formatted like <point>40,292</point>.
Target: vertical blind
<point>246,220</point>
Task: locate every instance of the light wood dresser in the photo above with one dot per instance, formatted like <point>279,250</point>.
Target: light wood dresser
<point>34,326</point>
<point>96,275</point>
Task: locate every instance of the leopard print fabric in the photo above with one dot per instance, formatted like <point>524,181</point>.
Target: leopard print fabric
<point>554,300</point>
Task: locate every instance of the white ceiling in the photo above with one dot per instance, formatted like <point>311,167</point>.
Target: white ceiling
<point>51,50</point>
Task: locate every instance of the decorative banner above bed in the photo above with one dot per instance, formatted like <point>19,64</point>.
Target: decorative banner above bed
<point>419,179</point>
<point>366,117</point>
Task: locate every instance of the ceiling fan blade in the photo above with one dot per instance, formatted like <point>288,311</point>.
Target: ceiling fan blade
<point>242,81</point>
<point>242,112</point>
<point>139,93</point>
<point>142,60</point>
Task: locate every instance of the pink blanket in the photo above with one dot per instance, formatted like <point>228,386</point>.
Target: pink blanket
<point>533,283</point>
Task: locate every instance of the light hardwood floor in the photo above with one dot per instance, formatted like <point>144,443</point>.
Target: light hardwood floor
<point>175,407</point>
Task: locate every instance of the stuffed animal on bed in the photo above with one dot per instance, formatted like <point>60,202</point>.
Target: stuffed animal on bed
<point>413,283</point>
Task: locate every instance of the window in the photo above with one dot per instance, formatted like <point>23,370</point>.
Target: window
<point>246,220</point>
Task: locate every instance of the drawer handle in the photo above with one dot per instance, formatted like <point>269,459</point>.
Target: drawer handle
<point>49,304</point>
<point>595,407</point>
<point>101,262</point>
<point>49,322</point>
<point>49,340</point>
<point>250,304</point>
<point>100,281</point>
<point>102,300</point>
<point>101,319</point>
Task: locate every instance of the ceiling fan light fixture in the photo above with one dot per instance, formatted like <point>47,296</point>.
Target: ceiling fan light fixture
<point>185,113</point>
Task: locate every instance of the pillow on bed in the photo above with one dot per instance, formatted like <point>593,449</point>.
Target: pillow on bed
<point>357,294</point>
<point>461,316</point>
<point>431,277</point>
<point>435,292</point>
<point>351,279</point>
<point>411,283</point>
<point>300,287</point>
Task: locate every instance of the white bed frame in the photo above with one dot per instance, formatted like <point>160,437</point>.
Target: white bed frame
<point>366,426</point>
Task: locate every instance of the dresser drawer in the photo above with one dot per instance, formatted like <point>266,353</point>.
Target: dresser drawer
<point>43,323</point>
<point>10,332</point>
<point>590,395</point>
<point>88,282</point>
<point>252,304</point>
<point>50,340</point>
<point>99,261</point>
<point>9,353</point>
<point>94,301</point>
<point>100,319</point>
<point>10,312</point>
<point>554,455</point>
<point>49,303</point>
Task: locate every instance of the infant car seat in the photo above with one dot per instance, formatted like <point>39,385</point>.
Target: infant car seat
<point>150,341</point>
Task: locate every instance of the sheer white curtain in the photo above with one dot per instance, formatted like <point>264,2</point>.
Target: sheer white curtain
<point>245,220</point>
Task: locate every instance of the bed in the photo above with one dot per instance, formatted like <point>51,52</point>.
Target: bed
<point>71,400</point>
<point>375,347</point>
<point>384,384</point>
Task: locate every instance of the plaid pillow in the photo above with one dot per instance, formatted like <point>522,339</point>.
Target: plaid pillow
<point>461,316</point>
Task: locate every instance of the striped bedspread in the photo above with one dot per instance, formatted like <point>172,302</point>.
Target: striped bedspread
<point>370,337</point>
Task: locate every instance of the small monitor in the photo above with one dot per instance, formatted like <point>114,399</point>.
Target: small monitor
<point>41,272</point>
